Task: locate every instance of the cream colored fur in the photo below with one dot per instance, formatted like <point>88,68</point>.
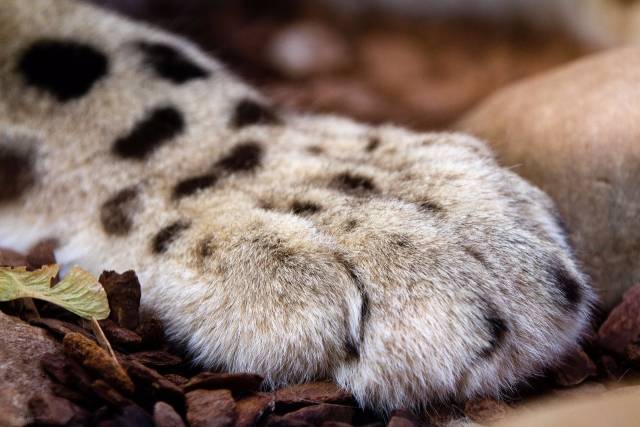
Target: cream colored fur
<point>400,304</point>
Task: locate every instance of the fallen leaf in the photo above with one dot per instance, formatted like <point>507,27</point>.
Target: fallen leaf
<point>79,292</point>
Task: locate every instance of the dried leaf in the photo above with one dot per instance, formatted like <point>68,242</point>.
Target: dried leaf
<point>79,292</point>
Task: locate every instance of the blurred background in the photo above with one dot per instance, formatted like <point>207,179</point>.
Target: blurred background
<point>418,63</point>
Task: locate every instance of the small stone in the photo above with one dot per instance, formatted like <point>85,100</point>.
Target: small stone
<point>318,392</point>
<point>622,326</point>
<point>210,408</point>
<point>96,359</point>
<point>233,382</point>
<point>485,410</point>
<point>575,368</point>
<point>123,292</point>
<point>251,409</point>
<point>165,416</point>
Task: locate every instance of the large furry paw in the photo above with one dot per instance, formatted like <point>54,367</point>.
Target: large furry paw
<point>410,268</point>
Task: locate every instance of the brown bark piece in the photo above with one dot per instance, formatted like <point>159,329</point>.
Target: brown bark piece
<point>318,392</point>
<point>156,359</point>
<point>160,388</point>
<point>317,414</point>
<point>93,357</point>
<point>233,382</point>
<point>59,328</point>
<point>123,292</point>
<point>66,371</point>
<point>118,336</point>
<point>109,394</point>
<point>210,408</point>
<point>251,409</point>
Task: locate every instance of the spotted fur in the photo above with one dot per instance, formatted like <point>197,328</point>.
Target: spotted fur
<point>408,267</point>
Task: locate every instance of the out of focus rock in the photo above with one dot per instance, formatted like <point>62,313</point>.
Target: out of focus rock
<point>21,348</point>
<point>307,48</point>
<point>50,410</point>
<point>613,408</point>
<point>485,410</point>
<point>574,132</point>
<point>622,326</point>
<point>575,368</point>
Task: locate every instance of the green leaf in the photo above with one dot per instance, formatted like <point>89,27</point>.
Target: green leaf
<point>79,292</point>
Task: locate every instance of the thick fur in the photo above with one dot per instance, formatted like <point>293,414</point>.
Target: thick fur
<point>408,267</point>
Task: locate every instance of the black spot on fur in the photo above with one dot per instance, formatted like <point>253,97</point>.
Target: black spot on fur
<point>497,329</point>
<point>168,235</point>
<point>158,127</point>
<point>116,212</point>
<point>243,158</point>
<point>171,64</point>
<point>372,144</point>
<point>206,248</point>
<point>316,150</point>
<point>194,184</point>
<point>350,225</point>
<point>477,255</point>
<point>429,206</point>
<point>63,68</point>
<point>569,286</point>
<point>402,241</point>
<point>352,346</point>
<point>248,113</point>
<point>17,173</point>
<point>353,183</point>
<point>305,208</point>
